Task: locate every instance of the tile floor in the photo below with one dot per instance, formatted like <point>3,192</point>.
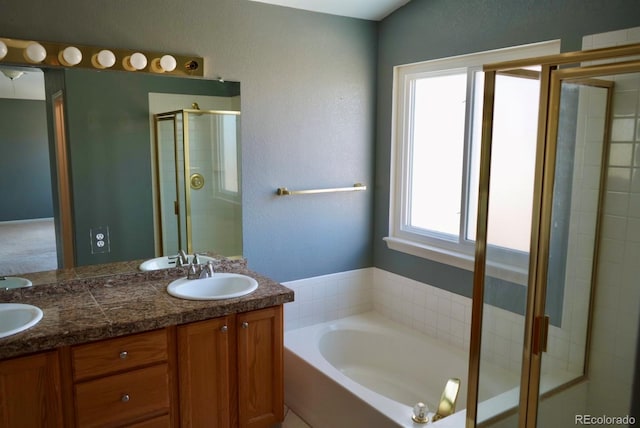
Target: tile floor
<point>291,420</point>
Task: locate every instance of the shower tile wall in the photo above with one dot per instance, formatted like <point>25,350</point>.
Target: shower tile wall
<point>567,342</point>
<point>617,303</point>
<point>202,141</point>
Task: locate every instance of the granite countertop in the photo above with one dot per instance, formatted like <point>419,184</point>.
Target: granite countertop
<point>83,309</point>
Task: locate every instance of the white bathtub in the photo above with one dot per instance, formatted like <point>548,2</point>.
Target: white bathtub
<point>368,371</point>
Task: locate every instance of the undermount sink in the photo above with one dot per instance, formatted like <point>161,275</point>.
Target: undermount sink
<point>219,286</point>
<point>9,282</point>
<point>166,262</point>
<point>17,317</point>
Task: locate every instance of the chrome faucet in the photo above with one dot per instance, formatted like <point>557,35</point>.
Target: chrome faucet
<point>207,270</point>
<point>198,271</point>
<point>182,260</point>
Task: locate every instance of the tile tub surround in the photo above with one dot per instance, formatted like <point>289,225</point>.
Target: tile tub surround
<point>414,304</point>
<point>428,309</point>
<point>328,297</point>
<point>100,307</point>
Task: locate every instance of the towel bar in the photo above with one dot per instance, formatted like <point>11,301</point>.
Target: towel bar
<point>283,191</point>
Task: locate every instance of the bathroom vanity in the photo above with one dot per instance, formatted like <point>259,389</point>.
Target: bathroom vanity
<point>118,350</point>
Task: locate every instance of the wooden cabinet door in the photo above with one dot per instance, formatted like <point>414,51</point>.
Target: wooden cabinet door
<point>30,391</point>
<point>204,368</point>
<point>260,368</point>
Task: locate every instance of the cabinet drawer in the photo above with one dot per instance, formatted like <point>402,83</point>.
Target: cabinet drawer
<point>122,353</point>
<point>124,397</point>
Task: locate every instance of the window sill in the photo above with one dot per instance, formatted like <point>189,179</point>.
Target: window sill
<point>514,274</point>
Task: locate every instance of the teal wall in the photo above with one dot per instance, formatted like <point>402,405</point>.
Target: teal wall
<point>431,29</point>
<point>25,178</point>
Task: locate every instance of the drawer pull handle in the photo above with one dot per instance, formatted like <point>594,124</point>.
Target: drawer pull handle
<point>124,355</point>
<point>125,398</point>
<point>224,329</point>
<point>245,325</point>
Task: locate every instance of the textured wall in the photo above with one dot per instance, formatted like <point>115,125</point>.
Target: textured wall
<point>307,83</point>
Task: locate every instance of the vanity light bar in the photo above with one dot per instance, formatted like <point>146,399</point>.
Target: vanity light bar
<point>49,54</point>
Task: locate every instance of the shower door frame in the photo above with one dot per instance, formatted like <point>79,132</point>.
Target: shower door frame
<point>536,324</point>
<point>157,118</point>
<point>173,116</point>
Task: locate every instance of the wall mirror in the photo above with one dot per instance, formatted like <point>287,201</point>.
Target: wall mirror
<point>105,122</point>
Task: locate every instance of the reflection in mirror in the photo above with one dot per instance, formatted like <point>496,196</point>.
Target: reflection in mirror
<point>109,132</point>
<point>27,236</point>
<point>198,181</point>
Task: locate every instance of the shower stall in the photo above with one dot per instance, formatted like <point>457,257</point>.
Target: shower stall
<point>198,187</point>
<point>571,328</point>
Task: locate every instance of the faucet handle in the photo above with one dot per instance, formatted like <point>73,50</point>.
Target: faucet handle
<point>206,270</point>
<point>209,268</point>
<point>196,260</point>
<point>183,257</point>
<point>193,271</point>
<point>420,411</point>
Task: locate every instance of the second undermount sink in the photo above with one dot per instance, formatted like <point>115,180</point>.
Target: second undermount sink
<point>17,317</point>
<point>219,286</point>
<point>166,262</point>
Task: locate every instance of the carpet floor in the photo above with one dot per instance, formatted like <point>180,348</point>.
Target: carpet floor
<point>27,246</point>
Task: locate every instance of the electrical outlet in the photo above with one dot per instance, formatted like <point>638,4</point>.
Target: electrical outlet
<point>100,239</point>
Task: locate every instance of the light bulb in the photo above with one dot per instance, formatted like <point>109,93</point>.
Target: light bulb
<point>103,59</point>
<point>35,53</point>
<point>136,61</point>
<point>164,64</point>
<point>3,49</point>
<point>168,63</point>
<point>70,56</point>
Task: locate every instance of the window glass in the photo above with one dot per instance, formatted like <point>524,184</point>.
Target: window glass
<point>437,122</point>
<point>512,163</point>
<point>437,150</point>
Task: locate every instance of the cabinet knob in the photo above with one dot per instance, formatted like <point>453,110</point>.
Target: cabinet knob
<point>245,325</point>
<point>125,398</point>
<point>124,355</point>
<point>224,328</point>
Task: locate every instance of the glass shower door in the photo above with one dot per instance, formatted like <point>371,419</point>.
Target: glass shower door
<point>198,182</point>
<point>212,183</point>
<point>504,235</point>
<point>592,297</point>
<point>578,326</point>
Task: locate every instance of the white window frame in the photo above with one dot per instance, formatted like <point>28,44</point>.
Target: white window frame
<point>402,237</point>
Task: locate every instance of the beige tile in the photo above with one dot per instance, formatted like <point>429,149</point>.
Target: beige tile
<point>292,420</point>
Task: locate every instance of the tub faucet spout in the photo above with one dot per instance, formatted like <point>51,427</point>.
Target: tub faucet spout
<point>447,405</point>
